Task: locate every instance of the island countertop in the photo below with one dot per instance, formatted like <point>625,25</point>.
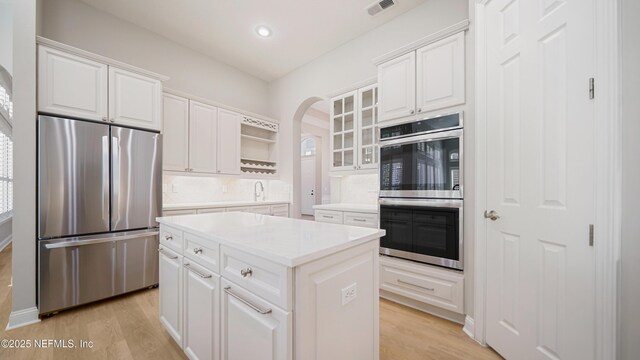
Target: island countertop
<point>290,242</point>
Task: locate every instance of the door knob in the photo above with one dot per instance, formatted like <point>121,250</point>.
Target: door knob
<point>493,215</point>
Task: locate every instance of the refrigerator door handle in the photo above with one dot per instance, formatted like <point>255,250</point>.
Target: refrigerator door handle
<point>105,180</point>
<point>115,179</point>
<point>74,243</point>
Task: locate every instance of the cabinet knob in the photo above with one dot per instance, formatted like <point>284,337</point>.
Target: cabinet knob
<point>246,272</point>
<point>168,237</point>
<point>412,112</point>
<point>112,120</point>
<point>104,119</point>
<point>197,251</point>
<point>419,110</point>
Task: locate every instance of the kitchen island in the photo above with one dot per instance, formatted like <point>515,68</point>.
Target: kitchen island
<point>239,286</point>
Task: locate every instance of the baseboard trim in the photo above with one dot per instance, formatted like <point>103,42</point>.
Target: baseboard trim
<point>5,242</point>
<point>418,305</point>
<point>22,318</point>
<point>469,327</point>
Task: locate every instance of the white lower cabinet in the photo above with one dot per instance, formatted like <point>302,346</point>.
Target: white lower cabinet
<point>201,312</point>
<point>362,219</point>
<point>253,328</point>
<point>171,292</point>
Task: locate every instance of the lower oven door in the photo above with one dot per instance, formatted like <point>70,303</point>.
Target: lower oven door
<point>428,231</point>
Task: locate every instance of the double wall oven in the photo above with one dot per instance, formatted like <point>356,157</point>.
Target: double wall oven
<point>421,190</point>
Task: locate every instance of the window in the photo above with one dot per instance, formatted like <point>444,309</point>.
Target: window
<point>6,175</point>
<point>308,147</point>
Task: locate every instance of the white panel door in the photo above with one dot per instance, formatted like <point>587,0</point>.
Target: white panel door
<point>72,86</point>
<point>397,87</point>
<point>228,142</point>
<point>540,136</point>
<point>170,274</point>
<point>134,99</point>
<point>175,133</point>
<point>252,328</point>
<point>440,74</point>
<point>203,137</point>
<point>201,313</point>
<point>308,184</point>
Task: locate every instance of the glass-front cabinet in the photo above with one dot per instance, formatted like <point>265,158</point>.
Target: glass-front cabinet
<point>354,140</point>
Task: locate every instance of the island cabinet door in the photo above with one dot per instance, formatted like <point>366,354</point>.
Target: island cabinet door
<point>201,313</point>
<point>170,292</point>
<point>253,328</point>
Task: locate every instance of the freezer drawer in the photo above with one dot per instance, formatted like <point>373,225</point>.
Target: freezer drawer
<point>79,270</point>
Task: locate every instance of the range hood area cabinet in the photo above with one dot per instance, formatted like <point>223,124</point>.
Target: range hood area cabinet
<point>200,138</point>
<point>353,132</point>
<point>429,78</point>
<point>89,87</point>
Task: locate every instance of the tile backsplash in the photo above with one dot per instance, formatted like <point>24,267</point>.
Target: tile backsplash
<point>359,189</point>
<point>194,189</point>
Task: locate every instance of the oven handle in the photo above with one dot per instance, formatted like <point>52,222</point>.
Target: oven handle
<point>422,138</point>
<point>450,203</point>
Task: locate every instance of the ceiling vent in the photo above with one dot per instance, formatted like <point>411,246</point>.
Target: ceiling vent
<point>377,7</point>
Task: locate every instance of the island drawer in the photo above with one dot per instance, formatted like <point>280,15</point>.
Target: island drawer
<point>329,216</point>
<point>424,283</point>
<point>266,279</point>
<point>361,219</point>
<point>171,238</point>
<point>204,252</point>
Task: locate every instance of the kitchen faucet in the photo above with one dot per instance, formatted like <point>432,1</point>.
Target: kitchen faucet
<point>257,194</point>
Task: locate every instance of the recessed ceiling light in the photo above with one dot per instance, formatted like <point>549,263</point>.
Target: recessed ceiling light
<point>263,31</point>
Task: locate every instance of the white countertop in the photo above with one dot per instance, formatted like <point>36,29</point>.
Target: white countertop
<point>217,204</point>
<point>364,208</point>
<point>290,242</point>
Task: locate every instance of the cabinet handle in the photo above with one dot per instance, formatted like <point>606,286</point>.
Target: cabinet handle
<point>418,286</point>
<point>197,251</point>
<point>360,220</point>
<point>246,272</point>
<point>161,250</point>
<point>327,216</point>
<point>204,276</point>
<point>257,308</point>
<point>168,237</point>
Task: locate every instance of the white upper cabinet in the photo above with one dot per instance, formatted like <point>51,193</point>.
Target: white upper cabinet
<point>440,74</point>
<point>367,138</point>
<point>134,100</point>
<point>203,138</point>
<point>71,85</point>
<point>175,137</point>
<point>228,142</point>
<point>397,87</point>
<point>81,87</point>
<point>429,78</point>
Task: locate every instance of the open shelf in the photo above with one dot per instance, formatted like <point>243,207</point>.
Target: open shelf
<point>258,147</point>
<point>255,138</point>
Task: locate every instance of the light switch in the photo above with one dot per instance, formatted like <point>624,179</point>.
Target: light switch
<point>174,188</point>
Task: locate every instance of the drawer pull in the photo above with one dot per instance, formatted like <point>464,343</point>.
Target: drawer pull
<point>168,237</point>
<point>197,251</point>
<point>418,286</point>
<point>204,276</point>
<point>327,216</point>
<point>246,272</point>
<point>360,220</point>
<point>161,250</point>
<point>257,308</point>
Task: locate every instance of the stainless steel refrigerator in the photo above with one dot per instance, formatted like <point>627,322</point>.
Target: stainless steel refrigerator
<point>99,192</point>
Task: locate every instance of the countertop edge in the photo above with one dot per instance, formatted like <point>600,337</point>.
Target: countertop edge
<point>221,204</point>
<point>292,263</point>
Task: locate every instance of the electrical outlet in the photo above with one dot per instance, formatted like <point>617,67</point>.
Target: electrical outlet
<point>174,188</point>
<point>349,293</point>
<point>225,189</point>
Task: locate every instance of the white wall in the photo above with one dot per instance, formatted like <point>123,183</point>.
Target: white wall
<point>6,35</point>
<point>630,265</point>
<point>24,131</point>
<point>77,24</point>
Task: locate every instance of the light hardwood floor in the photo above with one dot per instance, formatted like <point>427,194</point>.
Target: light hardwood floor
<point>127,327</point>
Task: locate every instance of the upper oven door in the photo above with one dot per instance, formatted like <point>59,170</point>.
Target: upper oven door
<point>424,166</point>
